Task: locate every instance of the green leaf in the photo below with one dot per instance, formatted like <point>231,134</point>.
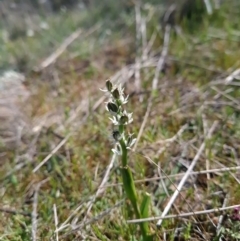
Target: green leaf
<point>144,208</point>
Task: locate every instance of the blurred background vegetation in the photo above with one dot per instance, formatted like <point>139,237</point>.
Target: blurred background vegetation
<point>46,23</point>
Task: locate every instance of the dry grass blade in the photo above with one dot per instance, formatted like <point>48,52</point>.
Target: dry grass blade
<point>52,153</point>
<point>15,212</point>
<point>180,185</point>
<point>184,215</point>
<point>217,170</point>
<point>168,142</point>
<point>101,188</point>
<point>89,205</point>
<point>138,21</point>
<point>56,221</point>
<point>208,6</point>
<point>99,216</point>
<point>69,40</point>
<point>34,211</point>
<point>155,82</point>
<point>64,141</point>
<point>220,221</point>
<point>232,76</point>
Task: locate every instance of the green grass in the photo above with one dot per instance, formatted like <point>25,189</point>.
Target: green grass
<point>63,102</point>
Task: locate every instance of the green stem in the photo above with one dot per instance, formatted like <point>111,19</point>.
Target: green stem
<point>121,129</point>
<point>130,189</point>
<point>124,153</point>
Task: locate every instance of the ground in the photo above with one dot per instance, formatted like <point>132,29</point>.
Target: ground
<point>59,179</point>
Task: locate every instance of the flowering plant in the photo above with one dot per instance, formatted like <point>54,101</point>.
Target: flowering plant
<point>121,118</point>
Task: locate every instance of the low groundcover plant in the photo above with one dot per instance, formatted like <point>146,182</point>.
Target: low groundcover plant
<point>121,118</point>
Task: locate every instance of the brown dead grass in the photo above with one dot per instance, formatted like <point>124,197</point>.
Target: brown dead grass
<point>65,104</point>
